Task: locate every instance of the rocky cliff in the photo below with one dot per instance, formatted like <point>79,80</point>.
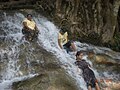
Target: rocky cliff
<point>91,21</point>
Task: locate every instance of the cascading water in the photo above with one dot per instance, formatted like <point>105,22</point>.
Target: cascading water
<point>10,51</point>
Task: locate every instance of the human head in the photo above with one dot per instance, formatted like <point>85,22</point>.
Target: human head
<point>29,16</point>
<point>79,55</point>
<point>62,31</point>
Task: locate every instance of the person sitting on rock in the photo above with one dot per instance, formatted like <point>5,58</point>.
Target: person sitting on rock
<point>64,43</point>
<point>30,29</point>
<point>88,74</point>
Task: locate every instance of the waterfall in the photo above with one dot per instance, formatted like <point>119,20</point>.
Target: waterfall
<point>10,50</point>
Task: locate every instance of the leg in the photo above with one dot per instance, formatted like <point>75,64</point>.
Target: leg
<point>34,36</point>
<point>26,34</point>
<point>97,86</point>
<point>89,87</point>
<point>67,49</point>
<point>73,47</point>
<point>67,46</point>
<point>26,37</point>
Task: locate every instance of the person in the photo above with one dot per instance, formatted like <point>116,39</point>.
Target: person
<point>30,30</point>
<point>88,74</point>
<point>64,43</point>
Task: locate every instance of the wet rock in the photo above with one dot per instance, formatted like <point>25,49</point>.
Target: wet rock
<point>104,59</point>
<point>104,63</point>
<point>95,21</point>
<point>50,80</point>
<point>93,18</point>
<point>110,84</point>
<point>50,74</point>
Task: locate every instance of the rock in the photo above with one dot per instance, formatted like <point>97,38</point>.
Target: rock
<point>95,21</point>
<point>105,63</point>
<point>50,74</point>
<point>109,84</point>
<point>104,59</point>
<point>50,80</point>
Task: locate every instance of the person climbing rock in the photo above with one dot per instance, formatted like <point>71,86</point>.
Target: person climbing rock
<point>30,30</point>
<point>64,43</point>
<point>88,74</point>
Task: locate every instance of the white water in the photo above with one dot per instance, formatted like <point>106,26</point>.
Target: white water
<point>48,40</point>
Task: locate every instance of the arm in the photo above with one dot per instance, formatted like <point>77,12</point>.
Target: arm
<point>79,71</point>
<point>73,47</point>
<point>36,28</point>
<point>25,26</point>
<point>66,36</point>
<point>59,43</point>
<point>88,64</point>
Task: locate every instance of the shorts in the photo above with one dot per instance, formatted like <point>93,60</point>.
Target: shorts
<point>89,77</point>
<point>24,31</point>
<point>30,34</point>
<point>92,83</point>
<point>67,46</point>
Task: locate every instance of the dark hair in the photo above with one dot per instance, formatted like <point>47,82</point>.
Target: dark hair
<point>29,15</point>
<point>62,30</point>
<point>78,53</point>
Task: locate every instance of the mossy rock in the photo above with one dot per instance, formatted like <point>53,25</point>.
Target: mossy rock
<point>49,80</point>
